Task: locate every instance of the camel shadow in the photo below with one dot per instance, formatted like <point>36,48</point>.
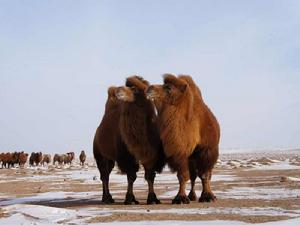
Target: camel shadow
<point>82,203</point>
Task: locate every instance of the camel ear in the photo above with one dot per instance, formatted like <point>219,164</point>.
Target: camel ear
<point>111,91</point>
<point>183,87</point>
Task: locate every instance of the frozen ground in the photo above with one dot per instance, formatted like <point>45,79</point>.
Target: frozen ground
<point>251,188</point>
<point>29,214</point>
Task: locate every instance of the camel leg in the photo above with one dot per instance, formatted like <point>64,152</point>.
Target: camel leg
<point>150,176</point>
<point>193,176</point>
<point>207,194</point>
<point>105,167</point>
<point>130,198</point>
<point>183,177</point>
<point>130,166</point>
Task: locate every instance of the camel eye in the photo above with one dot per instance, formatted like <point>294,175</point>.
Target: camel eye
<point>167,87</point>
<point>134,90</point>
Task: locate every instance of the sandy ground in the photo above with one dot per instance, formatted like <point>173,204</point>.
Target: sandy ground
<point>251,188</point>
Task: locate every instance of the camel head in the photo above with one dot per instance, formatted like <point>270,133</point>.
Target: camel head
<point>134,91</point>
<point>170,92</point>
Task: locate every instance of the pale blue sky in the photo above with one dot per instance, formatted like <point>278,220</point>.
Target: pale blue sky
<point>57,59</point>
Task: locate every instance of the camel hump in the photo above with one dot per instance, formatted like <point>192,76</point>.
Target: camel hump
<point>196,90</point>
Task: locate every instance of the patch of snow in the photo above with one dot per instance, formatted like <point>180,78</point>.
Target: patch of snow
<point>16,219</point>
<point>51,196</point>
<point>42,214</point>
<point>293,179</point>
<point>250,211</point>
<point>31,214</point>
<point>281,165</point>
<point>218,177</point>
<point>258,193</point>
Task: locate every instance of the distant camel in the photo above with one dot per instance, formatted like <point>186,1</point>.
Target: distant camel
<point>82,158</point>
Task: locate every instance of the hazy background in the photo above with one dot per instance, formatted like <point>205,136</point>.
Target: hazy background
<point>57,59</point>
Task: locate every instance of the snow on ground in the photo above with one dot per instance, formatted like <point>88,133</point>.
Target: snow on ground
<point>259,164</point>
<point>30,214</point>
<point>253,211</point>
<point>51,196</point>
<point>271,160</point>
<point>280,165</point>
<point>258,193</point>
<point>89,176</point>
<point>40,213</point>
<point>294,179</point>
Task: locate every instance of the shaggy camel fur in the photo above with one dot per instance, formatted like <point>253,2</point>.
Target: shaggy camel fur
<point>139,130</point>
<point>109,148</point>
<point>190,134</point>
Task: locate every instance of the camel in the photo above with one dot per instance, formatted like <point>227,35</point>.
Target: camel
<point>82,158</point>
<point>22,158</point>
<point>190,134</point>
<point>71,157</point>
<point>9,159</point>
<point>109,148</point>
<point>46,159</point>
<point>35,158</point>
<point>61,159</point>
<point>139,130</point>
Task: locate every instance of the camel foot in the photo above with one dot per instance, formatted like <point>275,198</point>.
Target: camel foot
<point>192,196</point>
<point>130,200</point>
<point>152,199</point>
<point>207,197</point>
<point>181,199</point>
<point>107,199</point>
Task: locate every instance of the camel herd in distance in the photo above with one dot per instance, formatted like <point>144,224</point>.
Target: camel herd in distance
<point>153,126</point>
<point>9,160</point>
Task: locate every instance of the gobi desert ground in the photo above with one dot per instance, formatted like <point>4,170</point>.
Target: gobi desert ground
<point>251,188</point>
